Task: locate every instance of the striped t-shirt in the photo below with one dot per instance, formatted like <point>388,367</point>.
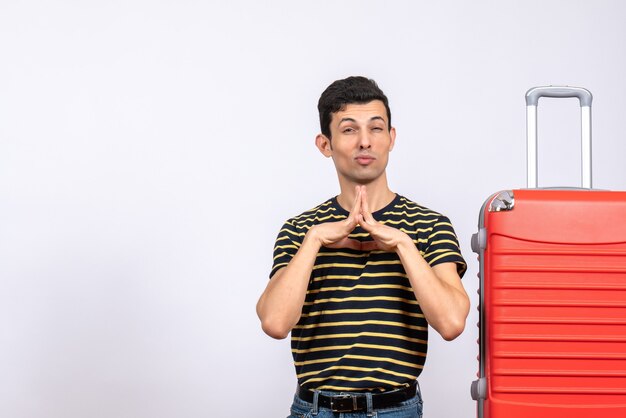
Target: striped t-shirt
<point>361,327</point>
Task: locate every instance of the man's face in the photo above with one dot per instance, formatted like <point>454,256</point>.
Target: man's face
<point>361,142</point>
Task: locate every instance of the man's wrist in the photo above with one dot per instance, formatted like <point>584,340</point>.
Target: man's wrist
<point>405,244</point>
<point>311,237</point>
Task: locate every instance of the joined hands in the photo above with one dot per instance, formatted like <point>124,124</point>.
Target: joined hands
<point>335,234</point>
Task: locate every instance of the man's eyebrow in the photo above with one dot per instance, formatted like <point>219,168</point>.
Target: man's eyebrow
<point>373,118</point>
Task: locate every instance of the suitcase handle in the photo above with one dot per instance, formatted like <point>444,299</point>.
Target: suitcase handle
<point>532,99</point>
<point>583,95</point>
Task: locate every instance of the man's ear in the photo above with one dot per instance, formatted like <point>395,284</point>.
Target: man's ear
<point>392,135</point>
<point>322,142</point>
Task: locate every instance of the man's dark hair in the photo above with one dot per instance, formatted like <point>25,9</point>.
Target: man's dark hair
<point>355,89</point>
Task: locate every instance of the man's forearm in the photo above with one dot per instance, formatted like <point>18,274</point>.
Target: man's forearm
<point>280,306</point>
<point>441,297</point>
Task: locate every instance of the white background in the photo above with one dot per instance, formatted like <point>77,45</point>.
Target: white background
<point>150,151</point>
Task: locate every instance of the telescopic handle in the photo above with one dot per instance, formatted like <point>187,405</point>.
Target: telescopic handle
<point>532,99</point>
<point>583,95</point>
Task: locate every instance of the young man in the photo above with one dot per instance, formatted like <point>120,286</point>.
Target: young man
<point>358,279</point>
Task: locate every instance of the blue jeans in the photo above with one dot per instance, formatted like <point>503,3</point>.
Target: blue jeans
<point>411,408</point>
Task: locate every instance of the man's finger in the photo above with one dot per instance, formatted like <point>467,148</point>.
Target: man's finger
<point>354,244</point>
<point>356,207</point>
<point>358,197</point>
<point>368,226</point>
<point>365,208</point>
<point>369,246</point>
<point>345,243</point>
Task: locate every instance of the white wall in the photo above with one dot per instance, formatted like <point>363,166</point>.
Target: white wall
<point>150,151</point>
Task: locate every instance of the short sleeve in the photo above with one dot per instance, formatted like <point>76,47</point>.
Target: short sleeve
<point>443,246</point>
<point>287,244</point>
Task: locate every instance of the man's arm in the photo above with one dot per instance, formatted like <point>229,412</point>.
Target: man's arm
<point>438,289</point>
<point>280,305</point>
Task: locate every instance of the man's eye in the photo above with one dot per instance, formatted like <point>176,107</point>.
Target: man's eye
<point>377,129</point>
<point>348,130</point>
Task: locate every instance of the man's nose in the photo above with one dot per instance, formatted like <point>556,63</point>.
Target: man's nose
<point>365,140</point>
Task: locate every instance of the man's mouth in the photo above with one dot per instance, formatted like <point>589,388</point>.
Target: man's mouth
<point>364,159</point>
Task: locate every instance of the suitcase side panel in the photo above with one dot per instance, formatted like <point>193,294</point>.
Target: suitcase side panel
<point>555,306</point>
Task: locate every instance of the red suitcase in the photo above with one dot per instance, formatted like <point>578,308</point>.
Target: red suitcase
<point>552,293</point>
